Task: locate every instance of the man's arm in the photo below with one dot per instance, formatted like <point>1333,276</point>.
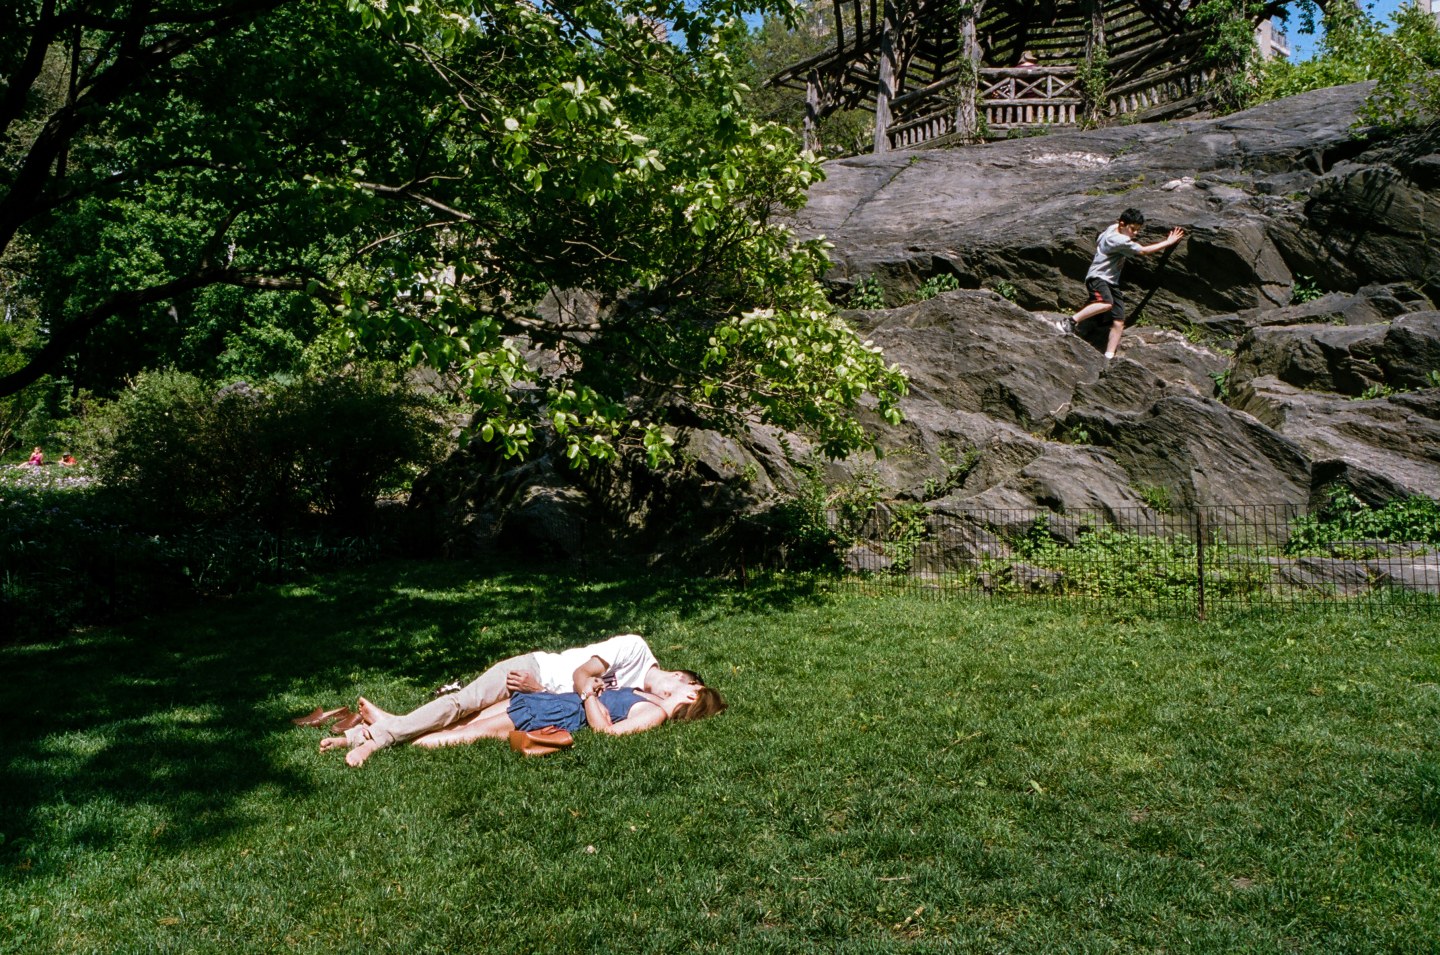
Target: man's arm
<point>587,672</point>
<point>1175,235</point>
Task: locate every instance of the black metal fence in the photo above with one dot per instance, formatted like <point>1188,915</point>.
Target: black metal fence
<point>1192,563</point>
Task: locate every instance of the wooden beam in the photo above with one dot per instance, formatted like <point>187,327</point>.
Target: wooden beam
<point>1094,49</point>
<point>812,112</point>
<point>967,117</point>
<point>886,90</point>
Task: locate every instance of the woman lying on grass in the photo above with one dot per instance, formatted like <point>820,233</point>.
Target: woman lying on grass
<point>614,712</point>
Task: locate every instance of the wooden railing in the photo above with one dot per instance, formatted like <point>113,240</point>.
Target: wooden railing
<point>1177,87</point>
<point>1019,98</point>
<point>1010,98</point>
<point>925,114</point>
<point>1014,98</point>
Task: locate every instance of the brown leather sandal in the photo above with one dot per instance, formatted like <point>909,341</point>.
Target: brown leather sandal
<point>320,716</point>
<point>346,721</point>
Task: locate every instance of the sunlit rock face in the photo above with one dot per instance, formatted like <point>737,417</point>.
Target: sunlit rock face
<point>1289,344</point>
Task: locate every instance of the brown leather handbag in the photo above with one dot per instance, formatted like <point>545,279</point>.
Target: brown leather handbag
<point>541,742</point>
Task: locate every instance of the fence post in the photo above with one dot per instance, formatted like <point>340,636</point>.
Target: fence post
<point>1200,562</point>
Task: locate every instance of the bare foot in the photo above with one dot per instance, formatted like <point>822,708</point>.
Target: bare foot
<point>331,742</point>
<point>369,712</point>
<point>359,754</point>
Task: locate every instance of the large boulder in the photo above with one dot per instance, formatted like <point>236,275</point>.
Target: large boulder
<point>1366,306</point>
<point>1345,359</point>
<point>1372,218</point>
<point>1381,448</point>
<point>1290,193</point>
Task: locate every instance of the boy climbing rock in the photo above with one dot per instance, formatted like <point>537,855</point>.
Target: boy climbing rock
<point>1102,281</point>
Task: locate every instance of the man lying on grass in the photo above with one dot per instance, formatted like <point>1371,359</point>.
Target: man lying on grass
<point>623,662</point>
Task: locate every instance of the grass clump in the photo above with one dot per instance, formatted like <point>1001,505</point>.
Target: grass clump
<point>893,774</point>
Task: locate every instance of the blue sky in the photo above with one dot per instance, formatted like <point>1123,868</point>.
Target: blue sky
<point>1303,47</point>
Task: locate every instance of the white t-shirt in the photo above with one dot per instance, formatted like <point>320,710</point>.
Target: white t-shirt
<point>627,659</point>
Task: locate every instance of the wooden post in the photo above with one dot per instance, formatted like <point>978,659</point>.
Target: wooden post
<point>967,109</point>
<point>1094,50</point>
<point>886,87</point>
<point>812,111</point>
<point>966,115</point>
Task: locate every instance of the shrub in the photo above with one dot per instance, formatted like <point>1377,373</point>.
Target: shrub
<point>936,284</point>
<point>1005,290</point>
<point>177,451</point>
<point>1229,46</point>
<point>867,294</point>
<point>356,439</point>
<point>68,559</point>
<point>1156,498</point>
<point>1403,63</point>
<point>903,537</point>
<point>150,446</point>
<point>818,523</point>
<point>1305,290</point>
<point>1105,562</point>
<point>1344,518</point>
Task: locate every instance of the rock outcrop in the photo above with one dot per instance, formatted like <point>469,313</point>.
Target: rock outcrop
<point>1291,342</point>
<point>1287,195</point>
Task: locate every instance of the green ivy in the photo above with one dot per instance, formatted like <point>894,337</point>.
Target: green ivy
<point>1344,518</point>
<point>956,470</point>
<point>867,294</point>
<point>903,537</point>
<point>1004,289</point>
<point>1222,384</point>
<point>935,285</point>
<point>1093,79</point>
<point>1229,46</point>
<point>1305,290</point>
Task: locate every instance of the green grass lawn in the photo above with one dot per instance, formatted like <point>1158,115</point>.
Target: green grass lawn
<point>894,774</point>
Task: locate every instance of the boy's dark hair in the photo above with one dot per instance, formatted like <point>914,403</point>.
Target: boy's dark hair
<point>1132,216</point>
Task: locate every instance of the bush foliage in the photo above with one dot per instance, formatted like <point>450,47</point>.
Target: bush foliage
<point>190,489</point>
<point>176,450</point>
<point>1356,47</point>
<point>1345,519</point>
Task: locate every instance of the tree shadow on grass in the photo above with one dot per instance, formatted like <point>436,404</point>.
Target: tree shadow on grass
<point>160,730</point>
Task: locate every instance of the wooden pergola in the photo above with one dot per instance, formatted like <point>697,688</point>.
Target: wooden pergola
<point>938,70</point>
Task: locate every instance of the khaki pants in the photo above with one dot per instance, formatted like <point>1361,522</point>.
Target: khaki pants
<point>487,688</point>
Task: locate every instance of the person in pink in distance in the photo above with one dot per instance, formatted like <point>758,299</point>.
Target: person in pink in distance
<point>37,457</point>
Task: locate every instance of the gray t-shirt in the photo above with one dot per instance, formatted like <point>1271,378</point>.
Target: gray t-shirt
<point>1111,251</point>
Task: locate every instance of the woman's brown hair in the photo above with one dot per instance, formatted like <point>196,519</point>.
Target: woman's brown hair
<point>708,702</point>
